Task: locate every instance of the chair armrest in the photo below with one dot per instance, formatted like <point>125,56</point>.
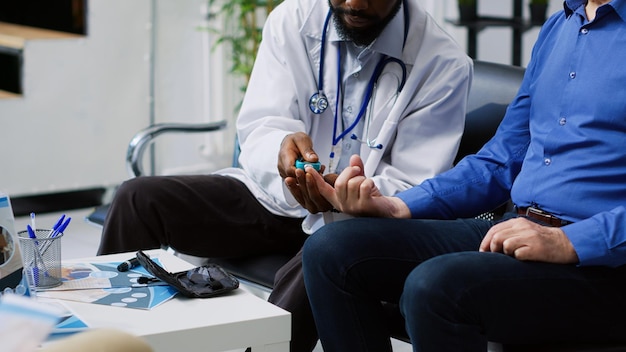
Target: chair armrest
<point>145,137</point>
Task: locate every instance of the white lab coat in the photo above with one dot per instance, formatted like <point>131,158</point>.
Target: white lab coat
<point>420,133</point>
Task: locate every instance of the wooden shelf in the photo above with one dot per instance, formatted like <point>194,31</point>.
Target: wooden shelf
<point>14,36</point>
<point>8,95</point>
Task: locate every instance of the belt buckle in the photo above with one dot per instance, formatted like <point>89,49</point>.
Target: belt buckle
<point>539,212</point>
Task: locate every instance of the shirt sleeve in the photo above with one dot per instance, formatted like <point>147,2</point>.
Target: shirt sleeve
<point>601,239</point>
<point>479,182</point>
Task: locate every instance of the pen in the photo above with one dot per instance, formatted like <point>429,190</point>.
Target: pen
<point>56,226</point>
<point>32,221</point>
<point>31,234</point>
<point>55,232</point>
<point>61,228</point>
<point>37,256</point>
<point>129,264</point>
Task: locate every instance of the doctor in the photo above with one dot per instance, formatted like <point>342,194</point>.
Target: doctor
<point>377,78</point>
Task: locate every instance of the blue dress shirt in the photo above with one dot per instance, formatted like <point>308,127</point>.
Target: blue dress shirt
<point>562,145</point>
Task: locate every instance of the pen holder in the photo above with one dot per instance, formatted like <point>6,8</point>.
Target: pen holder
<point>41,257</point>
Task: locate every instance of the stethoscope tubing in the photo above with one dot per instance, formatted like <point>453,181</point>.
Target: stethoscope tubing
<point>320,78</point>
<point>319,102</point>
<point>368,94</point>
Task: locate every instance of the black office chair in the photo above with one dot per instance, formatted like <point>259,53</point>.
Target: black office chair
<point>493,87</point>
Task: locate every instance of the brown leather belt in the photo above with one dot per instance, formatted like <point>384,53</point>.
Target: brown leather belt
<point>543,216</point>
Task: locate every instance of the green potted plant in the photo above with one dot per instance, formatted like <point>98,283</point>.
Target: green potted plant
<point>243,24</point>
<point>538,9</point>
<point>467,10</point>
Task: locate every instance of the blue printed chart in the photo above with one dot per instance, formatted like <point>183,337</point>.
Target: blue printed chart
<point>102,283</point>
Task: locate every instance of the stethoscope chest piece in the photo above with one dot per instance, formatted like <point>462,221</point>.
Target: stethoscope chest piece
<point>318,103</point>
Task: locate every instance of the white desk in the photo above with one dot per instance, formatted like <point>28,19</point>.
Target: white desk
<point>234,321</point>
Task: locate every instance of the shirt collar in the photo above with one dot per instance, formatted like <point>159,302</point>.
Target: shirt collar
<point>389,42</point>
<point>570,7</point>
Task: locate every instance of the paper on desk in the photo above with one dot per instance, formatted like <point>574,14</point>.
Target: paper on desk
<point>25,323</point>
<point>101,283</point>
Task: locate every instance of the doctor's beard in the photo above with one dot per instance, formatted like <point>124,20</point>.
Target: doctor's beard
<point>361,36</point>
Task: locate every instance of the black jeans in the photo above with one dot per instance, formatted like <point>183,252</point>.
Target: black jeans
<point>453,297</point>
<point>211,216</point>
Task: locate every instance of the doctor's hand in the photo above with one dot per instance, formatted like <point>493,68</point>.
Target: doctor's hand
<point>527,240</point>
<point>294,146</point>
<point>300,145</point>
<point>357,195</point>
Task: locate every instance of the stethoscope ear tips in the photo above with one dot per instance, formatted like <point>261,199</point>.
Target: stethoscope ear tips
<point>318,103</point>
<point>368,143</point>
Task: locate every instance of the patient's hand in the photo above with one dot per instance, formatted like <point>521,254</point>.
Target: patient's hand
<point>527,240</point>
<point>306,192</point>
<point>357,195</point>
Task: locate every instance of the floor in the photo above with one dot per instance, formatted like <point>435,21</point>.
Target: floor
<point>81,239</point>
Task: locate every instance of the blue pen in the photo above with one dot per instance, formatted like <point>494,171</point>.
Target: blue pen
<point>31,234</point>
<point>55,233</point>
<point>56,225</point>
<point>63,226</point>
<point>36,257</point>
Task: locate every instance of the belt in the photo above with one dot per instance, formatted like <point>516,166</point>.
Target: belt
<point>543,216</point>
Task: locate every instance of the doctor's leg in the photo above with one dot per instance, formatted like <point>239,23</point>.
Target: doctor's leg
<point>200,215</point>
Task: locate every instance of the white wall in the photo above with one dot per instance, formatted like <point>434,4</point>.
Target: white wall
<point>191,85</point>
<point>82,100</point>
<point>142,61</point>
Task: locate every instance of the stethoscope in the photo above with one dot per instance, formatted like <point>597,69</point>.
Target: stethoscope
<point>318,103</point>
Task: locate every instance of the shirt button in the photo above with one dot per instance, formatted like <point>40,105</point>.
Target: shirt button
<point>572,75</point>
<point>562,121</point>
<point>584,31</point>
<point>355,75</point>
<point>547,161</point>
<point>348,146</point>
<point>349,109</point>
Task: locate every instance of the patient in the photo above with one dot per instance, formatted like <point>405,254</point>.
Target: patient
<point>554,270</point>
<point>325,71</point>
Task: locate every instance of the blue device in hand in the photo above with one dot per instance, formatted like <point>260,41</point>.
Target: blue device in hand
<point>301,163</point>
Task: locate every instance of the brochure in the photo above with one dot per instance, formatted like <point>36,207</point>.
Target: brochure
<point>102,283</point>
<point>25,323</point>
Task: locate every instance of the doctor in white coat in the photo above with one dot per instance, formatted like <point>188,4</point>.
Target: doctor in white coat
<point>411,134</point>
<point>377,78</point>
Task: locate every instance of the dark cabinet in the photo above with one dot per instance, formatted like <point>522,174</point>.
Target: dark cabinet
<point>516,22</point>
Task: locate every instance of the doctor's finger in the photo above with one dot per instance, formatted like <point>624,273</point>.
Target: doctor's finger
<point>330,178</point>
<point>325,190</point>
<point>318,202</point>
<point>292,147</point>
<point>304,146</point>
<point>294,189</point>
